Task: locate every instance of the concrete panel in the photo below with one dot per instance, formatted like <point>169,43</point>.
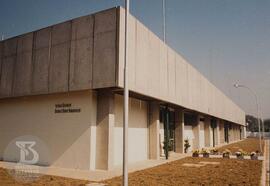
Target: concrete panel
<point>217,134</point>
<point>154,65</point>
<point>131,54</point>
<point>197,94</point>
<point>105,130</point>
<point>81,54</point>
<point>163,71</point>
<point>202,135</point>
<point>61,33</point>
<point>121,48</point>
<point>23,67</point>
<point>154,146</point>
<point>208,132</point>
<point>7,75</point>
<point>185,90</point>
<point>196,131</point>
<point>82,27</point>
<point>179,131</point>
<point>221,132</point>
<point>179,79</point>
<point>23,74</point>
<point>204,96</point>
<point>40,75</point>
<point>142,58</point>
<point>42,38</point>
<point>171,74</point>
<point>191,87</point>
<point>10,47</point>
<point>104,64</point>
<point>81,64</point>
<point>25,43</point>
<point>105,21</point>
<point>59,68</point>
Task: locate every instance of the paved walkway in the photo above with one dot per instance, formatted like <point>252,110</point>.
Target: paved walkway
<point>98,175</point>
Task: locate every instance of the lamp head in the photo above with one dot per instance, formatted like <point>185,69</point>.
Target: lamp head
<point>236,85</point>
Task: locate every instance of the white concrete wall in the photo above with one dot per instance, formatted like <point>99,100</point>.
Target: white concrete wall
<point>138,130</point>
<point>158,71</point>
<point>68,136</point>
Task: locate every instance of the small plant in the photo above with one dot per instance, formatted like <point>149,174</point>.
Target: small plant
<point>240,154</point>
<point>205,153</point>
<point>253,156</point>
<point>186,145</point>
<point>258,152</point>
<point>195,153</point>
<point>226,153</point>
<point>214,151</point>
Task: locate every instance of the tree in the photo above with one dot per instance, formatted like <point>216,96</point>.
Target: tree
<point>267,125</point>
<point>252,123</point>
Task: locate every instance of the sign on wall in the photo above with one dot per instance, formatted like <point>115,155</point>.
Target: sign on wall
<point>66,108</point>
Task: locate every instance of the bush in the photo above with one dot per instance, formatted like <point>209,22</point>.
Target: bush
<point>186,145</point>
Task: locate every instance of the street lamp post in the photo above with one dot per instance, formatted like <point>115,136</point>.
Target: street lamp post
<point>257,107</point>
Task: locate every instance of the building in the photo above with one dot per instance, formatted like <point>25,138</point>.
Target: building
<point>64,84</point>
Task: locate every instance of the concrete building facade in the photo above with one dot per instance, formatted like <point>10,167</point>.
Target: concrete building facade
<point>64,84</point>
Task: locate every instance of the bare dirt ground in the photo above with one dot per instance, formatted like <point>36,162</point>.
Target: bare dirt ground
<point>187,172</point>
<point>7,180</point>
<point>248,145</point>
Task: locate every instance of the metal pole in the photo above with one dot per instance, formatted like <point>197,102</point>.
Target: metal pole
<point>262,126</point>
<point>258,113</point>
<point>126,99</point>
<point>259,121</point>
<point>164,20</point>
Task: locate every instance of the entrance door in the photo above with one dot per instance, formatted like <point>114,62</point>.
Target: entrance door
<point>172,130</point>
<point>167,117</point>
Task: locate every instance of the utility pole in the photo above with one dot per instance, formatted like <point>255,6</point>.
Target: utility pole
<point>126,99</point>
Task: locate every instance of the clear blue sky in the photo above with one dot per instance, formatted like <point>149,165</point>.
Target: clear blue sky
<point>226,40</point>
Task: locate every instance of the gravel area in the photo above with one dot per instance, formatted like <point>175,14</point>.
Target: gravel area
<point>7,180</point>
<point>198,171</point>
<point>248,145</point>
<point>187,172</point>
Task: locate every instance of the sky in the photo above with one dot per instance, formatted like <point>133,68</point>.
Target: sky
<point>228,41</point>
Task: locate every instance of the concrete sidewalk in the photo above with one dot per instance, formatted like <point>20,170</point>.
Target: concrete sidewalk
<point>98,175</point>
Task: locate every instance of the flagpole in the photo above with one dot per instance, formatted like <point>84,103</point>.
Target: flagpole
<point>164,20</point>
<point>126,99</point>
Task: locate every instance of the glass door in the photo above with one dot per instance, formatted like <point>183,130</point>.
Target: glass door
<point>167,117</point>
